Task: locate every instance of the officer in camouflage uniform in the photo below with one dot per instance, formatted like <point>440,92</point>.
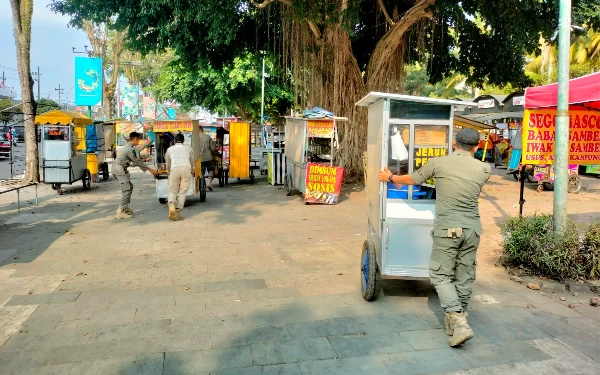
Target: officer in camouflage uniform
<point>459,179</point>
<point>128,156</point>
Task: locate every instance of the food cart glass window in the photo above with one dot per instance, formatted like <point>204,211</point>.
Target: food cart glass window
<point>410,110</point>
<point>57,133</point>
<point>431,141</point>
<point>398,149</point>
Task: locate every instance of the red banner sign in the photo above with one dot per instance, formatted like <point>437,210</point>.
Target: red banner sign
<point>323,183</point>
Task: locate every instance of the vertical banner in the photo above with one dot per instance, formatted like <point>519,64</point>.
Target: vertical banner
<point>130,100</point>
<point>323,183</point>
<point>149,111</point>
<point>320,129</point>
<point>88,81</point>
<point>539,133</point>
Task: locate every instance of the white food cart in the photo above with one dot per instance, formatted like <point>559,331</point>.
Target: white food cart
<point>308,140</point>
<point>164,133</point>
<point>63,161</point>
<point>404,132</point>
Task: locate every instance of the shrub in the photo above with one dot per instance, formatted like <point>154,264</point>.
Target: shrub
<point>529,242</point>
<point>589,254</point>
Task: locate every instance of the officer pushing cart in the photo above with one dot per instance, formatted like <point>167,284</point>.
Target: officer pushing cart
<point>424,220</point>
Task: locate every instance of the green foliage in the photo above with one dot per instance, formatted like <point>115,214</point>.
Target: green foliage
<point>530,243</point>
<point>490,42</point>
<point>236,88</point>
<point>45,105</point>
<point>589,254</point>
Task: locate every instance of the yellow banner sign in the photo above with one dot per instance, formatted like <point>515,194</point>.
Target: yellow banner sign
<point>172,126</point>
<point>539,134</point>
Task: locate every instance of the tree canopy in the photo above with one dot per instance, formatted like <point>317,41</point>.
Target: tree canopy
<point>235,88</point>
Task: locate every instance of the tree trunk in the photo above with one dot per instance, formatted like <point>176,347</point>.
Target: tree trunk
<point>22,11</point>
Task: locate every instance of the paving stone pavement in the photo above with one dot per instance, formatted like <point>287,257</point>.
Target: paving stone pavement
<point>250,282</point>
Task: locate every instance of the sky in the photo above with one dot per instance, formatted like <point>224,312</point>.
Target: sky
<point>51,49</point>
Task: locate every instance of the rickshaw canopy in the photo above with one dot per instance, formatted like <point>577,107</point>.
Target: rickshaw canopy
<point>61,117</point>
<point>583,92</point>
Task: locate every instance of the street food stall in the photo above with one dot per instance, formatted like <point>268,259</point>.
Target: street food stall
<point>310,145</point>
<point>164,137</point>
<point>99,139</point>
<point>217,133</point>
<point>404,132</point>
<point>62,148</point>
<point>539,129</point>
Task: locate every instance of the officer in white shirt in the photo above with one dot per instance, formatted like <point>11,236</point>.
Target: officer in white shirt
<point>179,165</point>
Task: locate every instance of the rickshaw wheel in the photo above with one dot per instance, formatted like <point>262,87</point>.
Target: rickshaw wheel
<point>548,186</point>
<point>540,188</point>
<point>287,183</point>
<point>530,177</point>
<point>368,272</point>
<point>202,190</point>
<point>86,179</point>
<point>162,200</point>
<point>574,184</point>
<point>516,175</point>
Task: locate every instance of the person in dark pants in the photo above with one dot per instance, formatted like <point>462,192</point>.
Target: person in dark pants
<point>128,156</point>
<point>459,179</point>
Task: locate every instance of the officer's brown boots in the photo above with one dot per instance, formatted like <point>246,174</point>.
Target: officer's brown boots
<point>172,212</point>
<point>456,325</point>
<point>121,214</point>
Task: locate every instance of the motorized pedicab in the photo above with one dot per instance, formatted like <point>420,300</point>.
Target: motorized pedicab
<point>164,137</point>
<point>63,161</point>
<point>404,132</point>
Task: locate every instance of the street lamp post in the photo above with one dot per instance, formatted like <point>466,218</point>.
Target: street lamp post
<point>561,152</point>
<point>68,97</point>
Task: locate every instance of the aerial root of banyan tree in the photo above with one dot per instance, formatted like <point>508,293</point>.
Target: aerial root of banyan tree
<point>325,73</point>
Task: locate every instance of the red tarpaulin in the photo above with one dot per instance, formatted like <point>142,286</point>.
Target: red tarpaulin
<point>583,92</point>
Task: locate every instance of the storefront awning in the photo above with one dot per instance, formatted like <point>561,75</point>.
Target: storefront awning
<point>464,122</point>
<point>583,91</point>
<point>60,117</point>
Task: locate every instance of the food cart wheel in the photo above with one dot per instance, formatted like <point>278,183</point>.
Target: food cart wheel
<point>202,190</point>
<point>251,176</point>
<point>287,184</point>
<point>574,184</point>
<point>59,190</point>
<point>162,200</point>
<point>221,175</point>
<point>105,174</point>
<point>86,179</point>
<point>54,186</point>
<point>368,272</point>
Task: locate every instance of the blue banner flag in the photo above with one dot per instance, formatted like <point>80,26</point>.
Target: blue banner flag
<point>88,81</point>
